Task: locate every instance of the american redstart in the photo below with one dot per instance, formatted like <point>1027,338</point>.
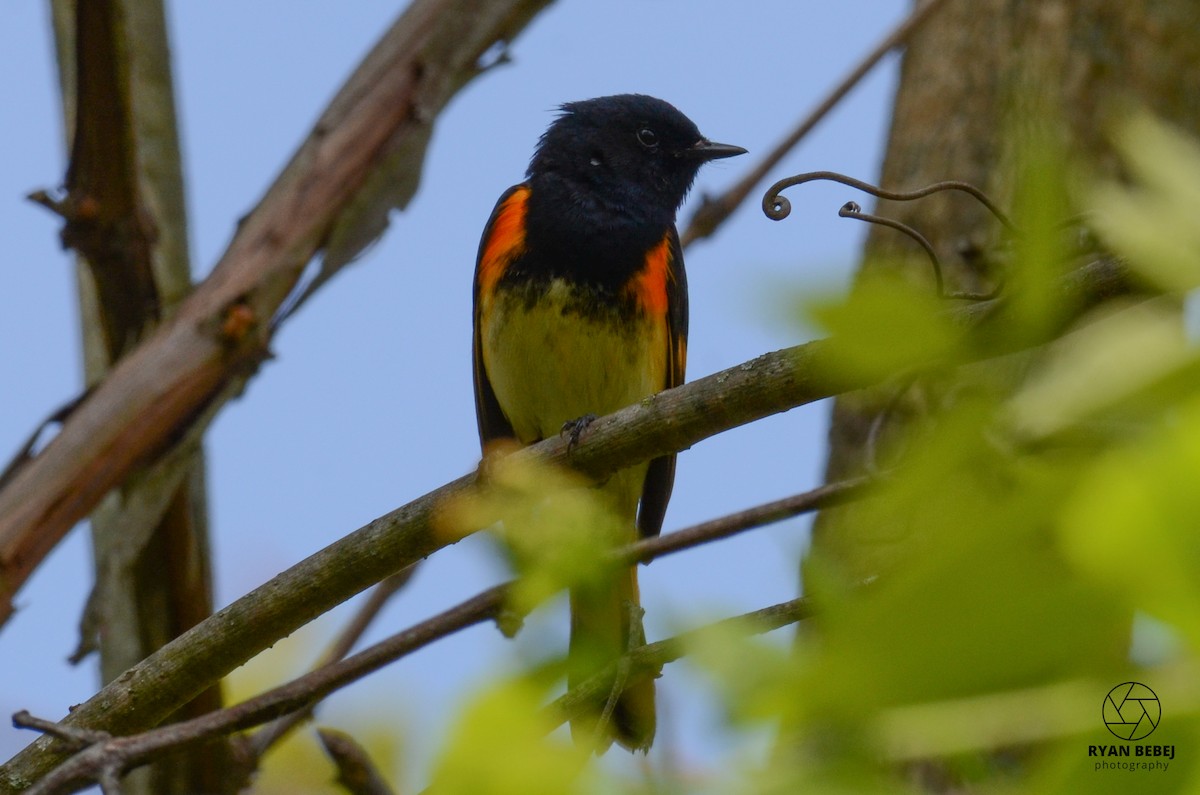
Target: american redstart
<point>581,309</point>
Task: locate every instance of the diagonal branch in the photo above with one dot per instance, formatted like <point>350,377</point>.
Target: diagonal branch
<point>297,694</point>
<point>713,211</point>
<point>268,736</point>
<point>124,215</point>
<point>103,751</point>
<point>356,773</point>
<point>222,331</point>
<point>647,660</point>
<point>668,422</point>
<point>817,499</point>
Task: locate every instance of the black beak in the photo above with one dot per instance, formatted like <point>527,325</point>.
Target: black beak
<point>706,150</point>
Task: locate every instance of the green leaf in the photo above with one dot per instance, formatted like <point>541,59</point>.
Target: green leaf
<point>887,325</point>
<point>557,529</point>
<point>1153,223</point>
<point>1132,522</point>
<point>499,747</point>
<point>1116,356</point>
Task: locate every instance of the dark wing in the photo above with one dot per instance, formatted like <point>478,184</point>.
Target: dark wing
<point>660,476</point>
<point>503,241</point>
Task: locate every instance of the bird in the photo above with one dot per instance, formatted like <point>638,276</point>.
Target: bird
<point>580,309</point>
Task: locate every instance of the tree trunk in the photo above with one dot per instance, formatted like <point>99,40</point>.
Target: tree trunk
<point>972,78</point>
<point>150,537</point>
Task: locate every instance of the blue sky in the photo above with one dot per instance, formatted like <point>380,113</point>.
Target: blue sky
<point>368,402</point>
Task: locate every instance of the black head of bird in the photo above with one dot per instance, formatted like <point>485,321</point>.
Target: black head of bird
<point>618,165</point>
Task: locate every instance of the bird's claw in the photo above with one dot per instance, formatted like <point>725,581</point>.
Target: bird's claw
<point>573,429</point>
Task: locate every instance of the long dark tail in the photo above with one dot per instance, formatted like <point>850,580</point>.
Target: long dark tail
<point>605,623</point>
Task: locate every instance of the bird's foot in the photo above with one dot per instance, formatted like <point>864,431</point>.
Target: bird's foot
<point>573,429</point>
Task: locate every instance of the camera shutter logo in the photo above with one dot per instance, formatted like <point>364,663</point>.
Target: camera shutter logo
<point>1131,711</point>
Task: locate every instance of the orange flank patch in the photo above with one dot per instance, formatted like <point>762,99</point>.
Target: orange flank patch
<point>506,239</point>
<point>678,362</point>
<point>650,284</point>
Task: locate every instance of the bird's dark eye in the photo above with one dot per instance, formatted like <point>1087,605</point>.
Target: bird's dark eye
<point>647,138</point>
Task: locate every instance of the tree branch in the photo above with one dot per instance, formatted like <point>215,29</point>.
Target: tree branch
<point>713,211</point>
<point>268,736</point>
<point>647,660</point>
<point>817,499</point>
<point>223,329</point>
<point>297,694</point>
<point>667,422</point>
<point>104,752</point>
<point>125,216</point>
<point>356,773</point>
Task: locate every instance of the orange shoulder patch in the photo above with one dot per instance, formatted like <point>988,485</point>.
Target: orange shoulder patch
<point>505,239</point>
<point>650,285</point>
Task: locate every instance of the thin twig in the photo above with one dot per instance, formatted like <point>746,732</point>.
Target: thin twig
<point>76,736</point>
<point>356,772</point>
<point>647,660</point>
<point>817,499</point>
<point>670,421</point>
<point>297,694</point>
<point>271,734</point>
<point>222,330</point>
<point>714,210</point>
<point>307,690</point>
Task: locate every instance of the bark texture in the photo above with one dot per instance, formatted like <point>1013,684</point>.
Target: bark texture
<point>972,80</point>
<point>126,219</point>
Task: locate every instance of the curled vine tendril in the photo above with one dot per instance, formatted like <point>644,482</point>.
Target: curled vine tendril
<point>853,210</point>
<point>777,207</point>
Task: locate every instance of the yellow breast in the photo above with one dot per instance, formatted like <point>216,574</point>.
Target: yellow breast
<point>555,359</point>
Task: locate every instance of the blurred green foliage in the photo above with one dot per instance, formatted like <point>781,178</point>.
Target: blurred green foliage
<point>298,765</point>
<point>1023,527</point>
<point>1019,531</point>
<point>554,529</point>
<point>500,746</point>
<point>1017,534</point>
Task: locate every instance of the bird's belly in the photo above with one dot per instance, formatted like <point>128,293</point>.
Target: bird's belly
<point>557,358</point>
